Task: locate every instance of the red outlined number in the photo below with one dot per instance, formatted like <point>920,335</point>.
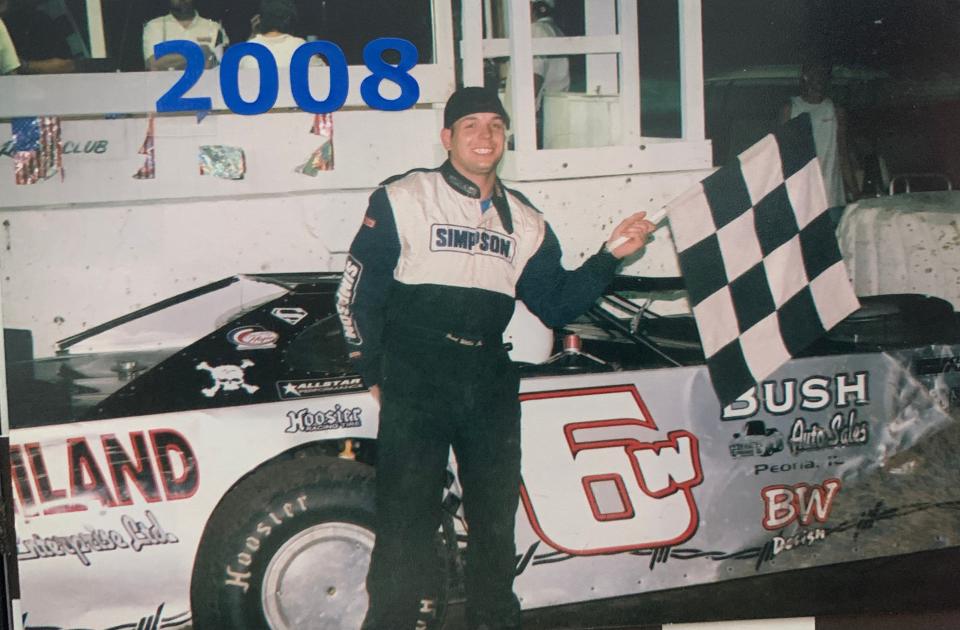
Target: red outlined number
<point>594,479</point>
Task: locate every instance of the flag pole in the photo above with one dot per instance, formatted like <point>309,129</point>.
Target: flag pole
<point>656,218</point>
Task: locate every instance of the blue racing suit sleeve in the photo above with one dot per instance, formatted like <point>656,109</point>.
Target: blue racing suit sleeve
<point>364,290</point>
<point>558,296</point>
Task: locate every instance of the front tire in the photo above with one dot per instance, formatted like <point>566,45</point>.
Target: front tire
<point>289,548</point>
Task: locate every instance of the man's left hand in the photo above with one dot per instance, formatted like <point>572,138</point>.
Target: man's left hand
<point>636,229</point>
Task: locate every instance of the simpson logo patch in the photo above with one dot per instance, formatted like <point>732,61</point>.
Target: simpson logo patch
<point>457,238</point>
<point>370,222</point>
<point>351,276</point>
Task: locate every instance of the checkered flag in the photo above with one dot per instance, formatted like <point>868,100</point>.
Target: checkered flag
<point>760,260</point>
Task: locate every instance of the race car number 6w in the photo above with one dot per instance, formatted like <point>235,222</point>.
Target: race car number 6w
<point>600,477</point>
<point>174,99</point>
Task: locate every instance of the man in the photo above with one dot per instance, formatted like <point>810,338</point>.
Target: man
<point>40,40</point>
<point>551,73</point>
<point>428,290</point>
<point>829,131</point>
<point>9,61</point>
<point>183,22</point>
<point>271,28</point>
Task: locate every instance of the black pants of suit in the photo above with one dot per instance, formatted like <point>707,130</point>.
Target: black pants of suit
<point>435,396</point>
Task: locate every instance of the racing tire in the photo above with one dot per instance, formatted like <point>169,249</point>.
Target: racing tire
<point>289,547</point>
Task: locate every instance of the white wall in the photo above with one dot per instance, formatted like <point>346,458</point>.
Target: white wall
<point>69,268</point>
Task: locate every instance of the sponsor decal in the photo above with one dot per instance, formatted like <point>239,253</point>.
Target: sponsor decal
<point>345,293</point>
<point>253,338</point>
<point>293,315</point>
<point>369,221</point>
<point>844,392</point>
<point>336,418</point>
<point>227,378</point>
<point>318,387</point>
<point>803,503</point>
<point>815,393</point>
<point>802,538</point>
<point>756,439</point>
<point>236,574</point>
<point>840,432</point>
<point>98,146</point>
<point>470,240</point>
<point>132,534</point>
<point>832,460</point>
<point>107,474</point>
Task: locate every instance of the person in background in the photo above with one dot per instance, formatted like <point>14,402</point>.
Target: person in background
<point>9,61</point>
<point>271,28</point>
<point>41,42</point>
<point>183,22</point>
<point>431,282</point>
<point>551,73</point>
<point>829,124</point>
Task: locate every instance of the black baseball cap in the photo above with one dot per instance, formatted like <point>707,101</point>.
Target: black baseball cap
<point>472,100</point>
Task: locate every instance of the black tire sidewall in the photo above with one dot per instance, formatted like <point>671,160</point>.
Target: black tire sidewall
<point>300,493</point>
<point>242,536</point>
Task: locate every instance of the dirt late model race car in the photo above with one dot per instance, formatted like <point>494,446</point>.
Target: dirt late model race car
<point>209,460</point>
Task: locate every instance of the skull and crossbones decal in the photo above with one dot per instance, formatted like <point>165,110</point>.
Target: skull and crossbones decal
<point>229,378</point>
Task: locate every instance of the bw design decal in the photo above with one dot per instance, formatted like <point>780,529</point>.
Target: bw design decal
<point>253,338</point>
<point>468,240</point>
<point>803,503</point>
<point>337,418</point>
<point>606,486</point>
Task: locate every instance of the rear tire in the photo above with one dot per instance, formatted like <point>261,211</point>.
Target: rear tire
<point>289,548</point>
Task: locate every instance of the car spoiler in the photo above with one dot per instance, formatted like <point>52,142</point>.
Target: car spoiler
<point>646,284</point>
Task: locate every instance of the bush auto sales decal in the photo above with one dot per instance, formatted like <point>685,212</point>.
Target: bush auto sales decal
<point>824,410</point>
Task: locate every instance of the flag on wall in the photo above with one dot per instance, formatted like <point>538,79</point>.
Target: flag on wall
<point>322,158</point>
<point>760,259</point>
<point>37,149</point>
<point>149,168</point>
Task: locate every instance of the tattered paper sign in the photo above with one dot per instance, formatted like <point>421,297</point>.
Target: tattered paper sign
<point>322,157</point>
<point>37,149</point>
<point>222,161</point>
<point>149,168</point>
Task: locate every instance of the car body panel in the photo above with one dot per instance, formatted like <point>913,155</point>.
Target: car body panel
<point>623,470</point>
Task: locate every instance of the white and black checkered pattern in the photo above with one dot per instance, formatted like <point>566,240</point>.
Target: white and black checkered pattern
<point>760,260</point>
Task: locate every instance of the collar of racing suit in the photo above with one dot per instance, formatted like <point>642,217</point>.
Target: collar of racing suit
<point>467,188</point>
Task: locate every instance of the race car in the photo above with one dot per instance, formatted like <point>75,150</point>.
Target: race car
<point>756,439</point>
<point>209,460</point>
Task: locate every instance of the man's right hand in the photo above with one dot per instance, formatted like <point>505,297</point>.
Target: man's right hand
<point>375,390</point>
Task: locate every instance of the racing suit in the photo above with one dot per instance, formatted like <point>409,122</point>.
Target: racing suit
<point>428,290</point>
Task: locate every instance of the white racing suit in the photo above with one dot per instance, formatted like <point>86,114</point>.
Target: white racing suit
<point>428,290</point>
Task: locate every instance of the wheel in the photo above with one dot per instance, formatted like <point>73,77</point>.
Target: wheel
<point>289,548</point>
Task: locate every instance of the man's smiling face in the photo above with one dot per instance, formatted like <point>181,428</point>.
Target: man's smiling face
<point>476,143</point>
